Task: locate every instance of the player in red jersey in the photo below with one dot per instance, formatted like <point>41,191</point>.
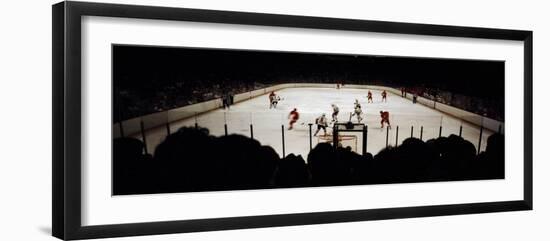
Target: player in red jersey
<point>293,116</point>
<point>385,118</point>
<point>384,94</point>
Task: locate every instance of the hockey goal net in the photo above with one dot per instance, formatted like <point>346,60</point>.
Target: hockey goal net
<point>343,141</point>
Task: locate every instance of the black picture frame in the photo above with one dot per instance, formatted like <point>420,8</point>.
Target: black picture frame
<point>66,75</point>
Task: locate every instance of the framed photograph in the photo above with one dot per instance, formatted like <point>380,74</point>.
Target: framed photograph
<point>170,120</point>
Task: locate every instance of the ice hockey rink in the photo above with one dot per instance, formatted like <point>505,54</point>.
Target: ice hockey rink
<point>269,124</point>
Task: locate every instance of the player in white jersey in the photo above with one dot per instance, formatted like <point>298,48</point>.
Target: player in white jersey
<point>273,100</point>
<point>356,104</point>
<point>357,111</point>
<point>321,122</point>
<point>335,111</point>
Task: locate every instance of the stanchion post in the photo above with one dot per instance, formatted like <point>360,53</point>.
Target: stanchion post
<point>196,122</point>
<point>387,135</point>
<point>283,139</point>
<point>121,129</point>
<point>365,134</point>
<point>396,135</point>
<point>479,142</point>
<point>142,127</point>
<point>335,137</point>
<point>310,137</point>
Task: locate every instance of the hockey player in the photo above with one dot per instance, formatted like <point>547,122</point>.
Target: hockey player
<point>357,111</point>
<point>226,100</point>
<point>293,116</point>
<point>356,104</point>
<point>273,100</point>
<point>335,111</point>
<point>384,94</point>
<point>321,122</point>
<point>385,116</point>
<point>369,97</point>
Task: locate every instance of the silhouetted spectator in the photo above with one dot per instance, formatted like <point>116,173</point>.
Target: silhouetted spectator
<point>327,167</point>
<point>130,166</point>
<point>292,171</point>
<point>192,160</point>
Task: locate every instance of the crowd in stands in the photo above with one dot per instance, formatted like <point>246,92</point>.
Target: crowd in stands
<point>182,93</point>
<point>165,96</point>
<point>192,160</point>
<point>149,79</point>
<point>153,98</point>
<point>487,107</point>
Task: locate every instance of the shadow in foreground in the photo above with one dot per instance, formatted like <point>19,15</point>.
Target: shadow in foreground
<point>191,160</point>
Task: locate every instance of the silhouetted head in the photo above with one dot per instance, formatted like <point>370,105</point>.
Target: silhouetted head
<point>129,165</point>
<point>328,166</point>
<point>127,148</point>
<point>291,172</point>
<point>495,143</point>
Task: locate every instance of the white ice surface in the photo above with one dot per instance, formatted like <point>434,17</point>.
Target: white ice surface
<point>312,102</point>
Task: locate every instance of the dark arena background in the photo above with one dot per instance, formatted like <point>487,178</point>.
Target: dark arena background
<point>195,119</point>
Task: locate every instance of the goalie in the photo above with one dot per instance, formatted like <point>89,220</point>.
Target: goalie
<point>357,111</point>
<point>321,122</point>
